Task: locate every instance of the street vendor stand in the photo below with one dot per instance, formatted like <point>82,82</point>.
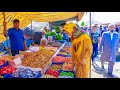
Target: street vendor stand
<point>25,19</point>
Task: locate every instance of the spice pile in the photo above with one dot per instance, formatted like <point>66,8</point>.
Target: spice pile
<point>38,59</point>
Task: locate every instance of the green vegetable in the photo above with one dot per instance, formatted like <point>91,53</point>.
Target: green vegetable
<point>52,34</point>
<point>58,37</point>
<point>57,30</point>
<point>47,34</point>
<point>46,31</point>
<point>61,74</point>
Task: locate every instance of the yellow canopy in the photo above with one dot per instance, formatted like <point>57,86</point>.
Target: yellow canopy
<point>27,17</point>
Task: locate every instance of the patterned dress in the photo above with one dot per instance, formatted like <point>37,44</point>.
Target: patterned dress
<point>82,49</point>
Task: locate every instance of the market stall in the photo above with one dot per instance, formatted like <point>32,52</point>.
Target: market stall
<point>50,59</point>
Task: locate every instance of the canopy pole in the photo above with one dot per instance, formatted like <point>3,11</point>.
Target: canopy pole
<point>31,30</point>
<point>6,36</point>
<point>90,36</point>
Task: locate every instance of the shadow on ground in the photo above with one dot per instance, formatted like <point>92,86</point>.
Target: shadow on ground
<point>98,70</point>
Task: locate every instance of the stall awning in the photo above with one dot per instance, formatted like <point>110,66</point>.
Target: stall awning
<point>26,17</point>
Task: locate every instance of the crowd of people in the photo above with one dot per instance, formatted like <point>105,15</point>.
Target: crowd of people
<point>105,40</point>
<point>86,43</point>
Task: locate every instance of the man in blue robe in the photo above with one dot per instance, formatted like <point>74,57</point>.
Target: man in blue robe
<point>109,48</point>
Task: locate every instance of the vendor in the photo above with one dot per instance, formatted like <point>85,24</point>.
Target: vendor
<point>81,49</point>
<point>65,36</point>
<point>16,37</point>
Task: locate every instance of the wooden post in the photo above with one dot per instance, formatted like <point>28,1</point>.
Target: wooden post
<point>31,30</point>
<point>90,36</point>
<point>6,36</point>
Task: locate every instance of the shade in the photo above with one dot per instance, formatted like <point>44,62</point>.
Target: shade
<point>27,17</point>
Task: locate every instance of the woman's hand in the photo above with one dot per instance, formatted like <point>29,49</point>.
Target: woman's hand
<point>83,61</point>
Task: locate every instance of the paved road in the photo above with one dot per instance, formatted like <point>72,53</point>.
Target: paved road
<point>97,72</point>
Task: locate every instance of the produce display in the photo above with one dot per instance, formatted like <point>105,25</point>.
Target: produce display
<point>35,64</point>
<point>25,53</point>
<point>67,59</point>
<point>26,73</point>
<point>8,58</point>
<point>38,59</point>
<point>53,73</point>
<point>64,53</point>
<point>67,49</point>
<point>52,33</point>
<point>7,70</point>
<point>1,76</point>
<point>66,74</point>
<point>56,44</point>
<point>56,67</point>
<point>62,50</point>
<point>58,37</point>
<point>48,76</point>
<point>2,62</point>
<point>58,59</point>
<point>67,66</point>
<point>52,48</point>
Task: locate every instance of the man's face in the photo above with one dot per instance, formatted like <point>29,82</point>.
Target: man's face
<point>94,28</point>
<point>16,24</point>
<point>112,28</point>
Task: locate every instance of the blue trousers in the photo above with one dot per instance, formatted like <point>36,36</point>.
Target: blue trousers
<point>95,51</point>
<point>110,67</point>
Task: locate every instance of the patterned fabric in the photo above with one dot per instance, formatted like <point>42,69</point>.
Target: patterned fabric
<point>82,50</point>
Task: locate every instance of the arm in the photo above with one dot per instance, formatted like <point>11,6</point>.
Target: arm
<point>24,42</point>
<point>99,39</point>
<point>88,51</point>
<point>25,46</point>
<point>4,29</point>
<point>102,42</point>
<point>117,43</point>
<point>73,55</point>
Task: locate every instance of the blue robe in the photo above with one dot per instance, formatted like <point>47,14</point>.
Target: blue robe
<point>109,47</point>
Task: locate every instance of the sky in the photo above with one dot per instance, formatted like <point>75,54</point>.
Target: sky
<point>103,17</point>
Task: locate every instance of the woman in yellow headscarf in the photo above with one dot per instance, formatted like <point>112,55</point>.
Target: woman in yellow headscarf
<point>81,49</point>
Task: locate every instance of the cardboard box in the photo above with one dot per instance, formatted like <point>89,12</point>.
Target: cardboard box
<point>25,54</point>
<point>12,60</point>
<point>8,58</point>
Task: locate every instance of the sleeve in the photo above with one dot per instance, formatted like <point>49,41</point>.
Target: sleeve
<point>117,43</point>
<point>73,55</point>
<point>102,42</point>
<point>88,49</point>
<point>91,37</point>
<point>99,35</point>
<point>9,32</point>
<point>23,35</point>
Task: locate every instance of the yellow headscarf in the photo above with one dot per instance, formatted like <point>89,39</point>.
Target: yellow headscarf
<point>69,27</point>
